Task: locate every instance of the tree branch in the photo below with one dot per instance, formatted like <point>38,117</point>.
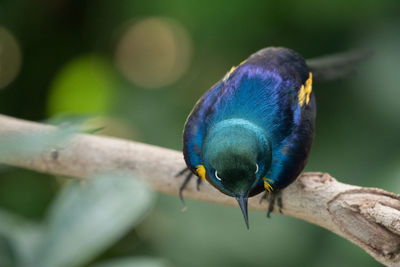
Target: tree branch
<point>368,217</point>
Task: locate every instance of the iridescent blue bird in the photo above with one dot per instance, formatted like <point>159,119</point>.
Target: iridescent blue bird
<point>253,130</point>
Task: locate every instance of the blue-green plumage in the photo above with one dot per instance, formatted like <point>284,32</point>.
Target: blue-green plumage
<point>255,127</point>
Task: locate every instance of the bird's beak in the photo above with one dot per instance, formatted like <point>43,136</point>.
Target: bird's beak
<point>242,200</point>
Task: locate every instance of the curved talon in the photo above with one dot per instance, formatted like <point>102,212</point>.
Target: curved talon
<point>278,197</point>
<point>271,205</point>
<point>182,187</point>
<point>263,197</point>
<point>280,203</point>
<point>199,180</point>
<point>182,172</point>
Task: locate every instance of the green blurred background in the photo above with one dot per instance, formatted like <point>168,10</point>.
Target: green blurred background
<point>138,67</point>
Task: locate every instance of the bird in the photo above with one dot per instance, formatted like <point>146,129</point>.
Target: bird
<point>253,130</point>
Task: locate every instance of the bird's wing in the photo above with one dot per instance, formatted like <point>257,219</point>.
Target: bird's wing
<point>291,154</point>
<point>196,126</point>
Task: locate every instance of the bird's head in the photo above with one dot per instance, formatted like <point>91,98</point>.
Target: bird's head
<point>236,156</point>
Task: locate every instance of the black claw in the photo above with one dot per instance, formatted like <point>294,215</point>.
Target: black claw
<point>199,180</point>
<point>183,185</point>
<point>263,197</point>
<point>271,205</point>
<point>280,203</point>
<point>181,172</point>
<point>272,198</point>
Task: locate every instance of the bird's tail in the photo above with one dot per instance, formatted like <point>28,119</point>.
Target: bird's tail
<point>336,66</point>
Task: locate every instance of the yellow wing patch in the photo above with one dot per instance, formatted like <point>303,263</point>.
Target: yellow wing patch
<point>305,91</point>
<point>229,73</point>
<point>244,61</point>
<point>232,69</point>
<point>201,171</point>
<point>267,184</point>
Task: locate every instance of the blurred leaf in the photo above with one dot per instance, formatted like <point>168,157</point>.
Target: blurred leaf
<point>67,120</point>
<point>84,85</point>
<point>134,262</point>
<point>19,239</point>
<point>94,130</point>
<point>89,216</point>
<point>75,121</point>
<point>4,168</point>
<point>6,255</point>
<point>33,143</point>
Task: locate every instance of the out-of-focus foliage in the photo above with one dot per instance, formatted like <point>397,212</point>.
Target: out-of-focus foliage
<point>31,144</point>
<point>10,57</point>
<point>88,81</point>
<point>141,66</point>
<point>86,218</point>
<point>134,262</point>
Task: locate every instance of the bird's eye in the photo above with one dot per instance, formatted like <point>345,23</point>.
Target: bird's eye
<point>256,168</point>
<point>216,175</point>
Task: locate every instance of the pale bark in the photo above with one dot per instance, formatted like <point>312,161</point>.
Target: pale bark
<point>368,217</point>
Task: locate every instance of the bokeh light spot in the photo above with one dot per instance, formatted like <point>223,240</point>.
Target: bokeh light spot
<point>10,57</point>
<point>84,85</point>
<point>153,52</point>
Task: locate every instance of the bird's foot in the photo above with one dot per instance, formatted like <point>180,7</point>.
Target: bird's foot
<point>185,182</point>
<point>272,197</point>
